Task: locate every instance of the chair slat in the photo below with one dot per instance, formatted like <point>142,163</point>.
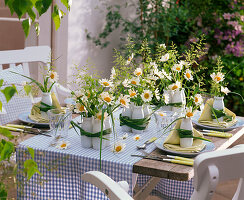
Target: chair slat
<point>12,65</point>
<point>26,69</point>
<point>1,67</point>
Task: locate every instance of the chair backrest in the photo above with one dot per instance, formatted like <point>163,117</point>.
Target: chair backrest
<point>213,167</point>
<point>25,56</point>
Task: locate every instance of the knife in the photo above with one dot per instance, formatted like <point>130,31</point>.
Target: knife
<point>216,133</point>
<point>23,130</point>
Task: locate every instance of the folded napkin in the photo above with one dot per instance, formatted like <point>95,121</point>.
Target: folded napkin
<point>206,117</point>
<point>172,142</point>
<point>39,116</point>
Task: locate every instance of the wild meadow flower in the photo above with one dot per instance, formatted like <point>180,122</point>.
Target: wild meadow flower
<point>198,99</point>
<point>129,59</point>
<point>53,76</point>
<point>177,67</point>
<point>224,90</point>
<point>165,57</point>
<point>157,94</point>
<point>106,97</point>
<point>125,136</point>
<point>113,74</point>
<point>158,73</point>
<point>138,72</point>
<point>137,137</point>
<point>63,145</point>
<point>162,114</point>
<point>134,81</point>
<point>125,83</point>
<point>99,115</point>
<point>188,76</point>
<point>175,86</point>
<point>219,77</point>
<point>106,83</point>
<point>132,93</point>
<point>163,45</point>
<point>118,147</point>
<point>79,108</point>
<point>124,100</point>
<point>188,112</point>
<point>146,95</point>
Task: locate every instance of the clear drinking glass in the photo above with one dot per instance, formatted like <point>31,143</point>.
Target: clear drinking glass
<point>59,122</point>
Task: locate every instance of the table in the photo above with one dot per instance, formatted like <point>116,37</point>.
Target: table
<point>62,169</point>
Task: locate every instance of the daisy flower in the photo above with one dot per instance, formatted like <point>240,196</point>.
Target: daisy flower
<point>132,93</point>
<point>164,57</point>
<point>224,90</point>
<point>188,76</point>
<point>79,93</point>
<point>157,94</point>
<point>217,77</point>
<point>158,73</point>
<point>105,82</point>
<point>79,108</point>
<point>130,59</point>
<point>137,137</point>
<point>135,81</point>
<point>99,115</point>
<point>106,97</point>
<point>189,112</point>
<point>125,83</point>
<point>124,100</point>
<point>198,99</point>
<point>53,76</point>
<point>125,136</point>
<point>146,95</point>
<point>184,63</point>
<point>175,86</point>
<point>154,65</point>
<point>118,147</point>
<point>113,74</point>
<point>162,114</point>
<point>166,98</point>
<point>177,67</point>
<point>168,76</point>
<point>63,145</point>
<point>163,45</point>
<point>138,72</point>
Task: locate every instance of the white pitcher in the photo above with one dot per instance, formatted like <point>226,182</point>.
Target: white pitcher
<point>137,114</point>
<point>186,124</point>
<point>218,104</point>
<point>126,112</point>
<point>96,140</point>
<point>87,123</point>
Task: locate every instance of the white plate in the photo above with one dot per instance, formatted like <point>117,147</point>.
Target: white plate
<point>24,117</point>
<point>239,123</point>
<point>159,144</point>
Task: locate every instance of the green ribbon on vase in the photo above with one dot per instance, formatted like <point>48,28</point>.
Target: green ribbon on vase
<point>220,113</point>
<point>183,133</point>
<point>88,134</point>
<point>138,124</point>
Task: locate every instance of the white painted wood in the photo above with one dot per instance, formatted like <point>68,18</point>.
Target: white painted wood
<point>108,186</point>
<point>12,65</point>
<point>1,67</point>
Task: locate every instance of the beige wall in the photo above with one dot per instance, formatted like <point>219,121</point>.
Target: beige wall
<point>11,33</point>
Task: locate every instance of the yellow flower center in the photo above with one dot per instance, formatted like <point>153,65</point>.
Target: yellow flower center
<point>63,145</point>
<point>122,101</point>
<point>132,94</point>
<point>196,99</point>
<point>217,78</point>
<point>146,96</point>
<point>178,68</point>
<point>82,108</point>
<point>118,148</point>
<point>174,87</point>
<point>188,75</point>
<point>161,114</point>
<point>107,99</point>
<point>189,114</point>
<point>99,117</point>
<point>105,83</point>
<point>137,138</point>
<point>138,73</point>
<point>133,82</point>
<point>52,76</point>
<point>88,95</point>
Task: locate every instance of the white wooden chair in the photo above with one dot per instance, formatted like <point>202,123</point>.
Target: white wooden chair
<point>209,169</point>
<point>18,61</point>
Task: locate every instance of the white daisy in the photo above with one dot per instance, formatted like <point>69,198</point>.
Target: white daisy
<point>177,67</point>
<point>63,145</point>
<point>124,100</point>
<point>132,93</point>
<point>166,97</point>
<point>188,112</point>
<point>158,73</point>
<point>168,76</point>
<point>135,81</point>
<point>125,83</point>
<point>162,114</point>
<point>106,97</point>
<point>53,76</point>
<point>130,59</point>
<point>146,95</point>
<point>79,93</point>
<point>225,90</point>
<point>138,72</point>
<point>118,147</point>
<point>163,45</point>
<point>184,63</point>
<point>99,115</point>
<point>124,137</point>
<point>217,77</point>
<point>154,65</point>
<point>188,76</point>
<point>164,58</point>
<point>106,83</point>
<point>79,108</point>
<point>137,137</point>
<point>198,99</point>
<point>157,95</point>
<point>113,74</point>
<point>175,86</point>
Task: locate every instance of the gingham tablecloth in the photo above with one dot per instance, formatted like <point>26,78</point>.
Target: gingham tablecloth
<point>62,169</point>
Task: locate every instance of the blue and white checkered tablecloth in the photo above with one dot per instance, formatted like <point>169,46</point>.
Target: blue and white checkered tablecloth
<point>62,169</point>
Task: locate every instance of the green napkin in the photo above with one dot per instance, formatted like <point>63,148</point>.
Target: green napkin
<point>41,117</point>
<point>206,118</point>
<point>172,142</point>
